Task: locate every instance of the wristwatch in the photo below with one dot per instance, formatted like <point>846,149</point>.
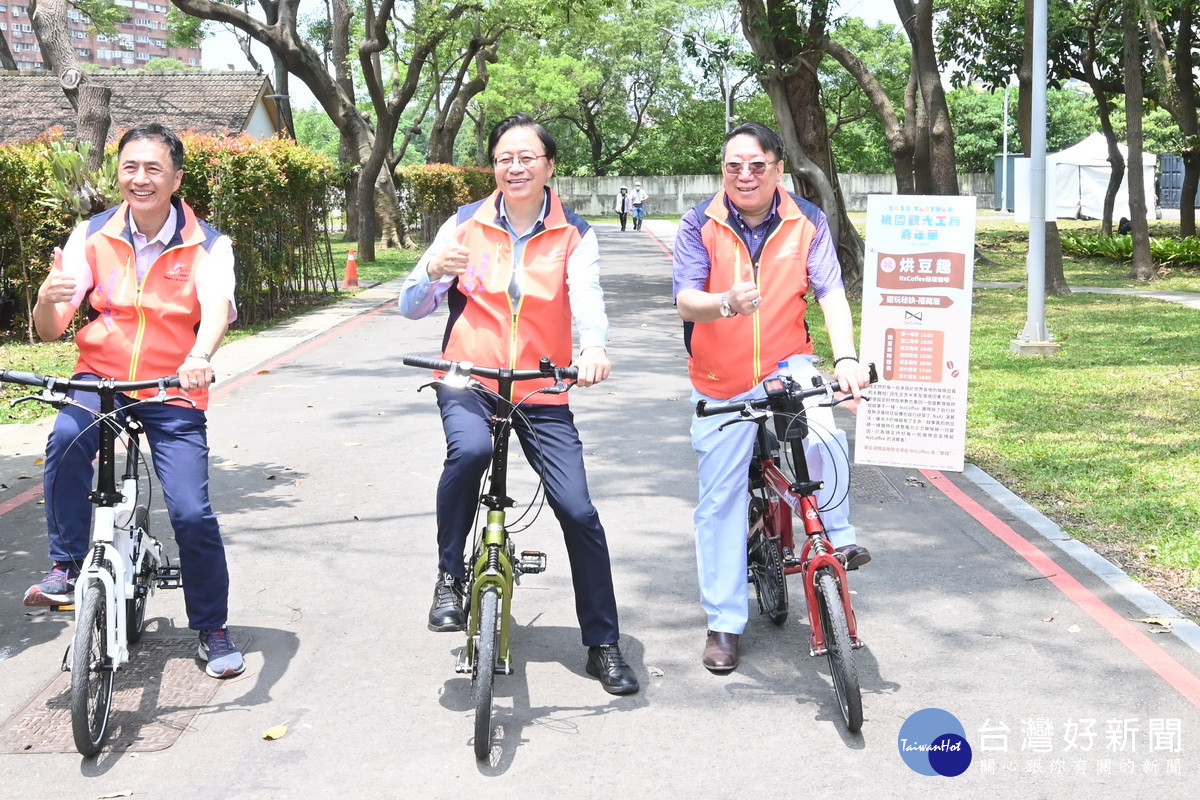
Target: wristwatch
<point>726,310</point>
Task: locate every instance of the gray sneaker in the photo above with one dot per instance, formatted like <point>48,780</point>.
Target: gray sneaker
<point>223,657</point>
<point>57,588</point>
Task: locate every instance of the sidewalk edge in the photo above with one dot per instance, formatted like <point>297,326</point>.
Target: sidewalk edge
<point>1117,579</point>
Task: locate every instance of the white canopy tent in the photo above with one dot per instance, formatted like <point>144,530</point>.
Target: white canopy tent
<point>1076,180</point>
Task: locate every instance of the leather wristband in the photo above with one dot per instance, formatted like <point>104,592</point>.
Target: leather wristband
<point>837,361</point>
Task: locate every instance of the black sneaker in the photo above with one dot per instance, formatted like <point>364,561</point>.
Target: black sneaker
<point>57,588</point>
<point>446,613</point>
<point>608,665</point>
<point>853,555</point>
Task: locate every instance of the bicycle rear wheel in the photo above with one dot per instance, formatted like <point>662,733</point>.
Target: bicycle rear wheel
<point>484,675</point>
<point>839,650</point>
<point>91,673</point>
<point>766,563</point>
<point>135,608</point>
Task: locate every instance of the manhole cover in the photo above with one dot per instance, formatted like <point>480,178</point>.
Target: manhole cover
<point>155,697</point>
<point>869,485</point>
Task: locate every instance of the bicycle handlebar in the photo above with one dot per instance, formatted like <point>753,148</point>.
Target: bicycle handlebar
<point>55,383</point>
<point>820,387</point>
<point>547,369</point>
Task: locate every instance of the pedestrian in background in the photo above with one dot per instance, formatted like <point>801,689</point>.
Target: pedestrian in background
<point>639,198</point>
<point>622,206</point>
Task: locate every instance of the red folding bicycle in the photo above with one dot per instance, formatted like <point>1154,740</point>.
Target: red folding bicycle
<point>771,546</point>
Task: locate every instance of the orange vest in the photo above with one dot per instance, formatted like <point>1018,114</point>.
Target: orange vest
<point>729,356</point>
<point>486,326</point>
<point>142,331</point>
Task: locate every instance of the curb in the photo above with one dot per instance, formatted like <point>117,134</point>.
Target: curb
<point>1116,578</point>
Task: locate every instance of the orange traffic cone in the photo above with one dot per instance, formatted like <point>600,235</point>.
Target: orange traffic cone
<point>351,279</point>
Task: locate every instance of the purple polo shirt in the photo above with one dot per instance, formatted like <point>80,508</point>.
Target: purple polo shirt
<point>692,264</point>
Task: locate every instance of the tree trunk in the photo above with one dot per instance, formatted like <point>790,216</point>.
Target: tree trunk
<point>6,57</point>
<point>1115,160</point>
<point>1143,264</point>
<point>283,39</point>
<point>450,116</point>
<point>789,76</point>
<point>1178,95</point>
<point>941,169</point>
<point>92,122</point>
<point>900,145</point>
<point>49,19</point>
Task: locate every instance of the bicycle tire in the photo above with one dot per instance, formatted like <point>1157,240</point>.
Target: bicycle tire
<point>766,565</point>
<point>484,674</point>
<point>838,649</point>
<point>91,673</point>
<point>135,608</point>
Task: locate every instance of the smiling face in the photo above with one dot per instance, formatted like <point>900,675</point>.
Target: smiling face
<point>148,178</point>
<point>520,183</point>
<point>751,194</point>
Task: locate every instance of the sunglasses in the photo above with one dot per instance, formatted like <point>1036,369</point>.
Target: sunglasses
<point>757,168</point>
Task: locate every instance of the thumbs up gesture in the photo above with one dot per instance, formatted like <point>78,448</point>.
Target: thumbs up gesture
<point>59,287</point>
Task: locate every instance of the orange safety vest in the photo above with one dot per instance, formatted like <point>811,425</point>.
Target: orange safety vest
<point>729,356</point>
<point>142,331</point>
<point>486,326</point>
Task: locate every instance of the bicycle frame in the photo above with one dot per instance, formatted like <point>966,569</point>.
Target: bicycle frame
<point>786,497</point>
<point>118,552</point>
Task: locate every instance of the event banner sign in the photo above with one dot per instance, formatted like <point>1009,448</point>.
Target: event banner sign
<point>916,327</point>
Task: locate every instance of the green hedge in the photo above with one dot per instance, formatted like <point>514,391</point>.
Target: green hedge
<point>270,196</point>
<point>429,193</point>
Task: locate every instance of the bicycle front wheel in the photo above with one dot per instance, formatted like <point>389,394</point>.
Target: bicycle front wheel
<point>135,609</point>
<point>485,670</point>
<point>839,650</point>
<point>91,673</point>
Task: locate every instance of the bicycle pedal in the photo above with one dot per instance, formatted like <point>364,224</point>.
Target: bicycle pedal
<point>63,607</point>
<point>532,562</point>
<point>168,578</point>
<point>460,664</point>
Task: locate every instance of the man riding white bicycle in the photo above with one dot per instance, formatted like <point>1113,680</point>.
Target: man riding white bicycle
<point>159,283</point>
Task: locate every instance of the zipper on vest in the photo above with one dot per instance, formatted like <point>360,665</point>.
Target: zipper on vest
<point>141,315</point>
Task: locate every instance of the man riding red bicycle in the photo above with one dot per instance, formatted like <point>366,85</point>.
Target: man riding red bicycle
<point>744,261</point>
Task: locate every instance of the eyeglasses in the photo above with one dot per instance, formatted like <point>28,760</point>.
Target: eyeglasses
<point>757,168</point>
<point>524,159</point>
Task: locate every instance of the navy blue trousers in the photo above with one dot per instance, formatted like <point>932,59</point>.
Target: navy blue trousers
<point>178,439</point>
<point>556,453</point>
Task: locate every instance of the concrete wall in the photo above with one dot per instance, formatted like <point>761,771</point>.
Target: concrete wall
<point>674,194</point>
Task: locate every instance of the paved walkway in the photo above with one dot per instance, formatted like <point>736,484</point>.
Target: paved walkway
<point>325,456</point>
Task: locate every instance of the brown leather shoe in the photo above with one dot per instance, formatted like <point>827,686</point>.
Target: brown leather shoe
<point>721,651</point>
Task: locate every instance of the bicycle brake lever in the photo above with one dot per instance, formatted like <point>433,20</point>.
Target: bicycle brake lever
<point>748,415</point>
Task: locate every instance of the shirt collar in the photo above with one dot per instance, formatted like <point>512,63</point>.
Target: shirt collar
<point>737,215</point>
<point>164,233</point>
<point>502,215</point>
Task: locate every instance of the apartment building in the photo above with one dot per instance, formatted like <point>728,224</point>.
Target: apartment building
<point>141,37</point>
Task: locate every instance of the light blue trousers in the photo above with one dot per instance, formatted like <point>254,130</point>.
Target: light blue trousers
<point>720,518</point>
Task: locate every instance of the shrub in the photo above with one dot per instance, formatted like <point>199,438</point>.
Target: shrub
<point>1180,252</point>
<point>430,193</point>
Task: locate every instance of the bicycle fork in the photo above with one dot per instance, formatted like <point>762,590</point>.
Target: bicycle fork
<point>816,553</point>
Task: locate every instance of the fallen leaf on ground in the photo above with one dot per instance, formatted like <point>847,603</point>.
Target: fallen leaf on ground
<point>1074,629</point>
<point>1166,622</point>
<point>655,671</point>
<point>276,732</point>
